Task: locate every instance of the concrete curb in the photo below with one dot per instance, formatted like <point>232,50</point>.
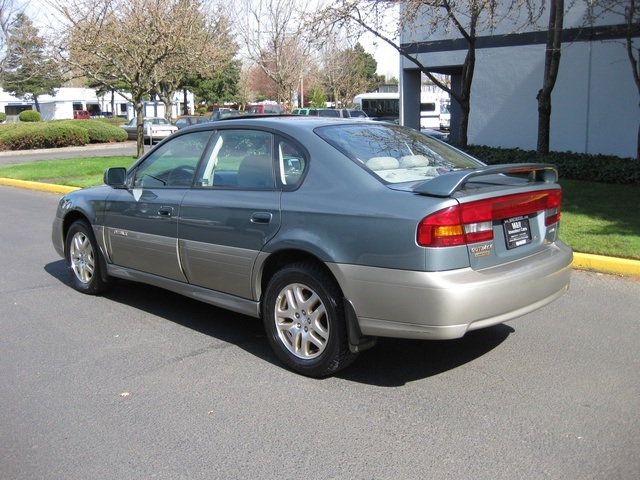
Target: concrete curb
<point>599,263</point>
<point>581,261</point>
<point>43,187</point>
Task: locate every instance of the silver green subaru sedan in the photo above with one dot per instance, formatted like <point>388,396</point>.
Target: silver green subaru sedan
<point>335,232</point>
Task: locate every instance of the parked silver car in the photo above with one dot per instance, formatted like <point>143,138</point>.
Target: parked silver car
<point>155,128</point>
<point>334,232</point>
<point>188,120</point>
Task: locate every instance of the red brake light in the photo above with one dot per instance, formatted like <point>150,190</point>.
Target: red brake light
<point>552,213</point>
<point>473,222</point>
<point>441,229</point>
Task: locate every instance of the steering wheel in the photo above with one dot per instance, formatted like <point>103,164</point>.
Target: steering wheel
<point>181,176</point>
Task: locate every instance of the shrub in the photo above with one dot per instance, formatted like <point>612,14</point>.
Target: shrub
<point>3,117</point>
<point>99,132</point>
<point>58,133</point>
<point>574,166</point>
<point>202,110</point>
<point>30,116</point>
<point>27,136</point>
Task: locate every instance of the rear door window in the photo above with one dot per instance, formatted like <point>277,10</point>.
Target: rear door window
<point>239,159</point>
<point>252,159</point>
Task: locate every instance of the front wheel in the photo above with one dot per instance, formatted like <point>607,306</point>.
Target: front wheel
<point>83,260</point>
<point>304,320</point>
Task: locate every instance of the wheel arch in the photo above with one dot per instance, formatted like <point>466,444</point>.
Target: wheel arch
<point>69,219</point>
<point>276,260</point>
<point>78,215</point>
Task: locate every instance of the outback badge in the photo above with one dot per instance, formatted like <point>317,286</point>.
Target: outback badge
<point>482,250</point>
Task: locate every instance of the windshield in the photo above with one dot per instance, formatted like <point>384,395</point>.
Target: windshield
<point>396,154</point>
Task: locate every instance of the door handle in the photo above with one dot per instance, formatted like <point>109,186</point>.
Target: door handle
<point>165,211</point>
<point>261,217</point>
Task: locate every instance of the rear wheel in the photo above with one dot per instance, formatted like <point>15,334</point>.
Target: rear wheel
<point>83,260</point>
<point>304,320</point>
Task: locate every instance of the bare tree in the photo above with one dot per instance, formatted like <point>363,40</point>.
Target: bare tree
<point>629,13</point>
<point>632,23</point>
<point>133,45</point>
<point>468,18</point>
<point>347,71</point>
<point>551,68</point>
<point>272,34</point>
<point>197,58</point>
<point>8,12</point>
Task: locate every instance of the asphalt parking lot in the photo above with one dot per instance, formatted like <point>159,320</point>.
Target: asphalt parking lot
<point>142,383</point>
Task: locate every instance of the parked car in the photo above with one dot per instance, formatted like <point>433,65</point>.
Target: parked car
<point>224,113</point>
<point>187,120</point>
<point>334,232</point>
<point>267,109</point>
<point>445,116</point>
<point>317,112</point>
<point>301,111</point>
<point>327,112</point>
<point>81,114</point>
<point>154,128</point>
<point>436,134</point>
<point>353,113</point>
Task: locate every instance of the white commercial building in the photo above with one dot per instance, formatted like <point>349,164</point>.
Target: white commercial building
<point>594,102</point>
<point>66,100</point>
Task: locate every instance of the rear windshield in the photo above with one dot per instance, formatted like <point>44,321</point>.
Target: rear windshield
<point>396,154</point>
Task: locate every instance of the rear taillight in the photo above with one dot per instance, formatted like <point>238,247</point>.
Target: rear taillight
<point>552,212</point>
<point>473,222</point>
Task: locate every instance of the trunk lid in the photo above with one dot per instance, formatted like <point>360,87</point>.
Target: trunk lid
<point>504,212</point>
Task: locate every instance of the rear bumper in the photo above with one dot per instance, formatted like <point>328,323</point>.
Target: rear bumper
<point>445,305</point>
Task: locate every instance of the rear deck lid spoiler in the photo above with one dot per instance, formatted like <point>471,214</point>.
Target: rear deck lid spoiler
<point>447,184</point>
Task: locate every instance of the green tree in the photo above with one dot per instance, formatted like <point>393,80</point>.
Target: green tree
<point>222,86</point>
<point>28,71</point>
<point>367,66</point>
<point>318,99</point>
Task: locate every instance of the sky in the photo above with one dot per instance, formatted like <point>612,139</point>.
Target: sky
<point>387,57</point>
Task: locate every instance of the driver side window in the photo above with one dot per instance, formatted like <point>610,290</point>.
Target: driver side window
<point>174,163</point>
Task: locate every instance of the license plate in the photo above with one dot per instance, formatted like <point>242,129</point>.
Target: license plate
<point>517,232</point>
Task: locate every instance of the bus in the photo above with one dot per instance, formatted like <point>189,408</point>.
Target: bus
<point>387,106</point>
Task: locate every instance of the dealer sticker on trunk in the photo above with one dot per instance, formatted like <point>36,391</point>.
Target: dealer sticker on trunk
<point>517,231</point>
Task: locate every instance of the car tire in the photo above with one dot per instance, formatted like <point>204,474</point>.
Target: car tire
<point>83,260</point>
<point>304,319</point>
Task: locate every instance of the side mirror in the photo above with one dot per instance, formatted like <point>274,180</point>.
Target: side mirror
<point>116,177</point>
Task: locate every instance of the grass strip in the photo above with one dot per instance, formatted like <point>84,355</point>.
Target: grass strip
<point>74,172</point>
<point>601,219</point>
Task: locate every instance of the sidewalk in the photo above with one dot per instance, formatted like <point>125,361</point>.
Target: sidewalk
<point>581,261</point>
<point>127,148</point>
<point>82,148</point>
